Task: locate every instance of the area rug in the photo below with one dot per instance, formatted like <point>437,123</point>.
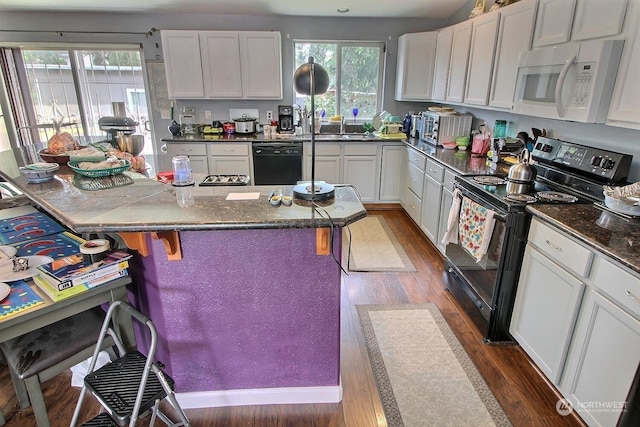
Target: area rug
<point>374,247</point>
<point>424,376</point>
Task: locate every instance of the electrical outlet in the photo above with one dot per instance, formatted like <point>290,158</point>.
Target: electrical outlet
<point>207,115</point>
<point>269,115</point>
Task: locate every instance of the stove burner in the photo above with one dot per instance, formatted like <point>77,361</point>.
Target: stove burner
<point>555,196</point>
<point>520,198</point>
<point>489,180</point>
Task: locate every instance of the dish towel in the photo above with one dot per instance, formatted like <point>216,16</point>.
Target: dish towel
<point>475,228</point>
<point>451,235</point>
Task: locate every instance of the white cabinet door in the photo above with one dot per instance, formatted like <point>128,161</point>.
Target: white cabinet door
<point>442,62</point>
<point>602,362</point>
<point>328,169</point>
<point>459,61</point>
<point>414,73</point>
<point>261,64</point>
<point>553,23</point>
<point>445,206</point>
<point>514,36</point>
<point>595,19</point>
<point>221,64</point>
<point>182,63</point>
<point>229,165</point>
<point>197,153</point>
<point>483,44</point>
<point>625,108</point>
<point>361,172</point>
<point>430,212</point>
<point>391,173</point>
<point>545,334</point>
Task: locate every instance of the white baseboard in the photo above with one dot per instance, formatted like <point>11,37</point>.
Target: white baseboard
<point>260,396</point>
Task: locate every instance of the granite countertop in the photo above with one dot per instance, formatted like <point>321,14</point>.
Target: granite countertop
<point>608,233</point>
<point>259,137</point>
<point>148,205</point>
<point>461,162</point>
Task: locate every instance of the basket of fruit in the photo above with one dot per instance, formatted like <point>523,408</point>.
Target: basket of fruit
<point>111,166</point>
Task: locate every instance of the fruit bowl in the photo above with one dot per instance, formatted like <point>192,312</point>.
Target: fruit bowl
<point>61,158</point>
<point>449,145</point>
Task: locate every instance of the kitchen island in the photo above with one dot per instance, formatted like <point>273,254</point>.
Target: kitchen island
<point>245,296</point>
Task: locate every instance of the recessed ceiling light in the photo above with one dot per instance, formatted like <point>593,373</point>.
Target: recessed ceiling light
<point>343,10</point>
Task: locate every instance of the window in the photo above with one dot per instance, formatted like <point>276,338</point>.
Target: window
<point>77,87</point>
<point>355,73</point>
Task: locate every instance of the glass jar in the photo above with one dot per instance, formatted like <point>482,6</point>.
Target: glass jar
<point>182,175</point>
<point>500,129</point>
<point>188,120</point>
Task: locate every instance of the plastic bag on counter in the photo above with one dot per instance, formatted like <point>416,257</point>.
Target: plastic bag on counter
<point>630,190</point>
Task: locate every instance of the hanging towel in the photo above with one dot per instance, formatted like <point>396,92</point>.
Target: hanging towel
<point>475,228</point>
<point>451,235</point>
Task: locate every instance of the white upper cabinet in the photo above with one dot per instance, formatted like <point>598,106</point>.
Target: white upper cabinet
<point>223,64</point>
<point>261,59</point>
<point>459,61</point>
<point>553,24</point>
<point>514,36</point>
<point>483,45</point>
<point>624,110</point>
<point>414,75</point>
<point>183,66</point>
<point>559,21</point>
<point>595,19</point>
<point>441,67</point>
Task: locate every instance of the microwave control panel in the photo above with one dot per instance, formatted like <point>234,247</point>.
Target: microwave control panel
<point>584,82</point>
<point>603,164</point>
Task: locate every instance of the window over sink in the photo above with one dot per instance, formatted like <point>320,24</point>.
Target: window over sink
<point>355,72</point>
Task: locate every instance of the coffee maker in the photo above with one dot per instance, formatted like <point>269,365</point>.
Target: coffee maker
<point>285,118</point>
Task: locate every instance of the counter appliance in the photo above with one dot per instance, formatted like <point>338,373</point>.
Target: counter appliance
<point>285,118</point>
<point>572,81</point>
<point>438,128</point>
<point>566,173</point>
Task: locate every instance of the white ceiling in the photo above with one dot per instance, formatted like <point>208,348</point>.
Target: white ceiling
<point>436,9</point>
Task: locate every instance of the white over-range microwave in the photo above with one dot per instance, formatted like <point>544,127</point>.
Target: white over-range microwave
<point>572,81</point>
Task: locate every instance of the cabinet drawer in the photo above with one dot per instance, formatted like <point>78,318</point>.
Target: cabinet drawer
<point>187,149</point>
<point>618,284</point>
<point>228,150</point>
<point>415,180</point>
<point>412,204</point>
<point>449,178</point>
<point>435,170</point>
<point>359,149</point>
<point>560,248</point>
<point>419,160</point>
<point>323,149</point>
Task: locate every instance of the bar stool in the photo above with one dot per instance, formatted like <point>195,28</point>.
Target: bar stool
<point>39,355</point>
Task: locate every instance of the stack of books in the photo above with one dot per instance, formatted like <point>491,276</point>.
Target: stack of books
<point>69,274</point>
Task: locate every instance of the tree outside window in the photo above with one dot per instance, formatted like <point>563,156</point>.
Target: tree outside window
<point>355,71</point>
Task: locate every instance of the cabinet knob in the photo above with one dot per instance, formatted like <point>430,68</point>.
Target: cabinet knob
<point>631,296</point>
<point>552,246</point>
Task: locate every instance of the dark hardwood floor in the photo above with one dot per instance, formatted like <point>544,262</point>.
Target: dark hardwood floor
<point>525,396</point>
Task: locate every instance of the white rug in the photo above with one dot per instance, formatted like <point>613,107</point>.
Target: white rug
<point>424,376</point>
<point>374,247</point>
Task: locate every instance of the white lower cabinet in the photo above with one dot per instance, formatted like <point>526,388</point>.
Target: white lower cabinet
<point>328,167</point>
<point>577,315</point>
<point>545,312</point>
<point>360,171</point>
<point>391,173</point>
<point>445,206</point>
<point>230,159</point>
<point>197,154</point>
<point>431,199</point>
<point>414,164</point>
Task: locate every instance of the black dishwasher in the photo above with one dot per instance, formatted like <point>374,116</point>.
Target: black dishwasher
<point>277,163</point>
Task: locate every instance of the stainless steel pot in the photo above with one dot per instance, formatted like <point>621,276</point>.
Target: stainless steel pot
<point>245,124</point>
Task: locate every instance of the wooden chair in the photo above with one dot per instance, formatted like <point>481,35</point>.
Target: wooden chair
<point>37,356</point>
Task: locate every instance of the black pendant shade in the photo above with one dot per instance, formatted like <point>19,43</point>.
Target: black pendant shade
<point>302,78</point>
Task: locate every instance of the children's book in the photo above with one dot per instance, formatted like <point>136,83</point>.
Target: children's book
<point>29,226</point>
<point>72,270</point>
<point>20,298</point>
<point>55,246</point>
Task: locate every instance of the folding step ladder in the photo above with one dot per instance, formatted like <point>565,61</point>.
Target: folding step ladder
<point>132,386</point>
